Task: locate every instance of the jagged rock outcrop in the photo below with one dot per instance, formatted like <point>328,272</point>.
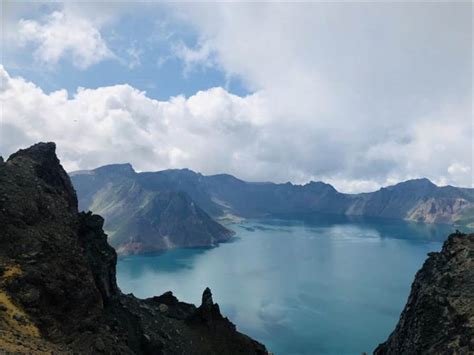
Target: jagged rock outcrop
<point>57,279</point>
<point>439,315</point>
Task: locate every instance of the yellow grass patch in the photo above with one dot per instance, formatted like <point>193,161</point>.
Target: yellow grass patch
<point>18,334</point>
<point>26,327</point>
<point>20,337</point>
<point>12,271</point>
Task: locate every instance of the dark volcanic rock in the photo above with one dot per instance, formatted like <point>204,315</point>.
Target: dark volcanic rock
<point>58,291</point>
<point>99,254</point>
<point>439,315</point>
<point>208,312</point>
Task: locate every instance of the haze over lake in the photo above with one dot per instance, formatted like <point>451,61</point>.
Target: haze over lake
<point>321,285</point>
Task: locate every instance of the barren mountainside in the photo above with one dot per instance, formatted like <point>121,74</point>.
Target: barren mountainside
<point>58,291</point>
<point>139,219</point>
<point>222,195</point>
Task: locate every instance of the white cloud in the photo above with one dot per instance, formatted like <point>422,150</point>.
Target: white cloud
<point>120,123</point>
<point>62,34</point>
<point>459,172</point>
<point>214,131</point>
<point>134,53</point>
<point>457,168</point>
<point>201,56</point>
<point>356,94</point>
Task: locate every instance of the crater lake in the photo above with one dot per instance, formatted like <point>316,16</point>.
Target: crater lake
<point>316,285</point>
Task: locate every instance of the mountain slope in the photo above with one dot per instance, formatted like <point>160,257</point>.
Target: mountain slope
<point>219,195</point>
<point>139,219</point>
<point>439,315</point>
<point>416,200</point>
<point>58,291</point>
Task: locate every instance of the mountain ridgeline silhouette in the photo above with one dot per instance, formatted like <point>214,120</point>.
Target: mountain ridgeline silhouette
<point>142,209</point>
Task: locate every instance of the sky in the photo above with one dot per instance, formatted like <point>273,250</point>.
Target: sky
<point>357,94</point>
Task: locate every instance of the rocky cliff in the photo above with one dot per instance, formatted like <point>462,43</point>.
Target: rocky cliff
<point>57,279</point>
<point>417,200</point>
<point>439,315</point>
<point>139,219</point>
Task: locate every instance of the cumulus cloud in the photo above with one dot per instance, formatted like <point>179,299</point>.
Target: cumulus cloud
<point>356,94</point>
<point>121,124</point>
<point>383,88</point>
<point>214,131</point>
<point>62,34</point>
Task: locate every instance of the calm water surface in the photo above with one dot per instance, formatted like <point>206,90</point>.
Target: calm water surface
<point>323,285</point>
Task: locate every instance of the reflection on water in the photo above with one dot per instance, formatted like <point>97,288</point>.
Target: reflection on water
<point>317,285</point>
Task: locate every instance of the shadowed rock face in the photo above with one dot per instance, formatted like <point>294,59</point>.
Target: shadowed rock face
<point>439,315</point>
<point>141,220</point>
<point>58,290</point>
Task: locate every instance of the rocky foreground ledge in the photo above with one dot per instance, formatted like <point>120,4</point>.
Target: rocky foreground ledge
<point>58,290</point>
<point>439,315</point>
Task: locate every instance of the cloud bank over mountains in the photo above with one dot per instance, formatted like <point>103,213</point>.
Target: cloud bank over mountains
<point>358,95</point>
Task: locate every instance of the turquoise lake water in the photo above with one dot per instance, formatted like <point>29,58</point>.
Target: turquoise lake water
<point>320,285</point>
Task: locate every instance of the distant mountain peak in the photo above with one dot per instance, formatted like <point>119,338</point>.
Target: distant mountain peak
<point>183,172</point>
<point>122,169</point>
<point>320,184</point>
<point>421,181</point>
<point>416,183</point>
<point>226,177</point>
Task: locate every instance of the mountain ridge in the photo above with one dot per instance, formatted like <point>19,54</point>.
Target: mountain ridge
<point>418,200</point>
<point>141,220</point>
<point>129,166</point>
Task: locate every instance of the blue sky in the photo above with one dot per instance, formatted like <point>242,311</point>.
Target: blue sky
<point>144,46</point>
<point>360,95</point>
